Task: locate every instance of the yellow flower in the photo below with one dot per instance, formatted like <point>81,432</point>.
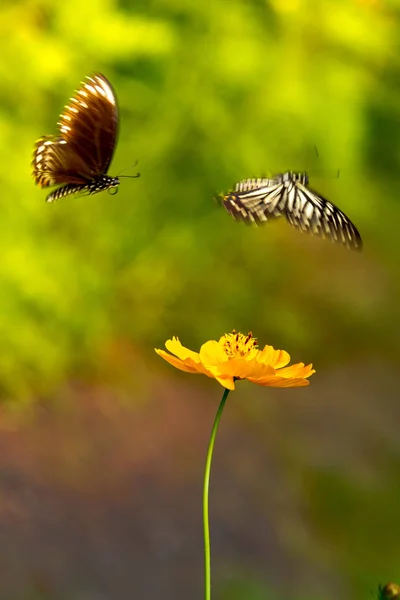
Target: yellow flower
<point>236,356</point>
<point>389,591</point>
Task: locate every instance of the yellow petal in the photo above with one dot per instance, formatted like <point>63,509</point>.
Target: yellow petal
<point>281,382</point>
<point>189,367</point>
<point>275,358</point>
<point>226,382</point>
<point>212,354</point>
<point>241,368</point>
<point>297,370</point>
<point>175,347</point>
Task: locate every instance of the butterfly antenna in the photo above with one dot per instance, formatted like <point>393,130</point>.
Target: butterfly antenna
<point>317,153</point>
<point>131,167</point>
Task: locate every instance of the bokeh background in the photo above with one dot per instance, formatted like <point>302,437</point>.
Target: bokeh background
<point>102,444</point>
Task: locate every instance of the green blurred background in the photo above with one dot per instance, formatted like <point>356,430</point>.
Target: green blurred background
<point>102,444</point>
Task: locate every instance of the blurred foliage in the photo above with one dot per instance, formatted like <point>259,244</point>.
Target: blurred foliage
<point>209,93</point>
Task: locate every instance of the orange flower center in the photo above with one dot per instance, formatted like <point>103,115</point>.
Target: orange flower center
<point>237,344</point>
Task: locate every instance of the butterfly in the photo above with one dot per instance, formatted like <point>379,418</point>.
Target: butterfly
<point>78,158</point>
<point>287,194</point>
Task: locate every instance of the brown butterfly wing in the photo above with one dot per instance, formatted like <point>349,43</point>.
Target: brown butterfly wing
<point>88,132</point>
<point>54,162</point>
<point>89,123</point>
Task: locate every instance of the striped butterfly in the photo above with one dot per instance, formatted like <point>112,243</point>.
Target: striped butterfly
<point>258,200</point>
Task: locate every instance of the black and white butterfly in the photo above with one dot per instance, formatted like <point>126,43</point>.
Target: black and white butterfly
<point>258,200</point>
<point>80,155</point>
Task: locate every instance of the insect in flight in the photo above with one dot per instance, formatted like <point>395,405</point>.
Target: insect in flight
<point>258,200</point>
<point>78,158</point>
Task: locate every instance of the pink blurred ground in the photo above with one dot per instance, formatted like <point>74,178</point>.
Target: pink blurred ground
<point>100,496</point>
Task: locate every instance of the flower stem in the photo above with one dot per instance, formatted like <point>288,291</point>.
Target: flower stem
<point>207,565</point>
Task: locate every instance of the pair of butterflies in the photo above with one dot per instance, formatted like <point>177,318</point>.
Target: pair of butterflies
<point>79,157</point>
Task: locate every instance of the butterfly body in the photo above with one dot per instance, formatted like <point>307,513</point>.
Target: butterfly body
<point>287,194</point>
<point>79,157</point>
<point>92,187</point>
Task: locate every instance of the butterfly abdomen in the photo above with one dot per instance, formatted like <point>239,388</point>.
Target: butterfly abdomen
<point>92,187</point>
<point>251,184</point>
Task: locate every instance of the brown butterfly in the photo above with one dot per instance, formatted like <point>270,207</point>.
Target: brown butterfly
<point>79,157</point>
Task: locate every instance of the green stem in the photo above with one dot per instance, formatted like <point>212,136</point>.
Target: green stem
<point>207,565</point>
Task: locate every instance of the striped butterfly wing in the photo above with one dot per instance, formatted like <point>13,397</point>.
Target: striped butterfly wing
<point>310,212</point>
<point>256,200</point>
<point>83,150</point>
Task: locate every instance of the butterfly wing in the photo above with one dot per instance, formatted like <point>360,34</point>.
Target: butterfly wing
<point>310,212</point>
<point>55,162</point>
<point>89,123</point>
<point>88,131</point>
<point>254,204</point>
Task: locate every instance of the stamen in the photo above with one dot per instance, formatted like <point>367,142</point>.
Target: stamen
<point>237,345</point>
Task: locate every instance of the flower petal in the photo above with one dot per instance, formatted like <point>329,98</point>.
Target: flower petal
<point>215,361</point>
<point>281,382</point>
<point>297,370</point>
<point>275,358</point>
<point>241,368</point>
<point>293,376</point>
<point>226,381</point>
<point>175,347</point>
<point>212,354</point>
<point>187,366</point>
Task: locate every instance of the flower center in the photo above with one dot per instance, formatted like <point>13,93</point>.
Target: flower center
<point>237,344</point>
